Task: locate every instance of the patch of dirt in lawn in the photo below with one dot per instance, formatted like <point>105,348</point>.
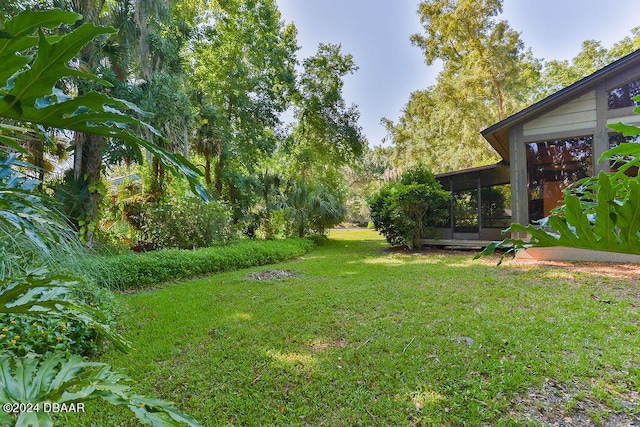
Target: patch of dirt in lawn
<point>270,275</point>
<point>548,406</point>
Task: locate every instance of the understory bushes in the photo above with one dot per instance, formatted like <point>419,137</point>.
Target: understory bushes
<point>184,222</point>
<point>136,270</point>
<point>408,209</point>
<point>39,333</point>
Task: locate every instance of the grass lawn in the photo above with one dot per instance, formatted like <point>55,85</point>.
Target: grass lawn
<point>366,336</point>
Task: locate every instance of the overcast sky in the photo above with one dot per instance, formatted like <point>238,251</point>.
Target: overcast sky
<point>376,33</point>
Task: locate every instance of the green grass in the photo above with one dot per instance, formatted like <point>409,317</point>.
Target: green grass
<point>368,337</point>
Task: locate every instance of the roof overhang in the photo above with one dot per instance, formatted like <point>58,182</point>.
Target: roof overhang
<point>498,134</point>
<point>469,179</point>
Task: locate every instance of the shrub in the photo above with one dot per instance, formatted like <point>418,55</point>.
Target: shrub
<point>135,270</point>
<point>311,207</point>
<point>404,210</point>
<point>318,239</point>
<point>184,222</point>
<point>32,333</point>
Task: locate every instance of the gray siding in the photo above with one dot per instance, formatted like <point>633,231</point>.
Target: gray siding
<point>579,113</point>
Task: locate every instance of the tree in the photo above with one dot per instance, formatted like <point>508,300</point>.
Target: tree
<point>244,68</point>
<point>32,98</point>
<point>486,76</point>
<point>593,56</point>
<point>364,178</point>
<point>327,130</point>
<point>403,210</point>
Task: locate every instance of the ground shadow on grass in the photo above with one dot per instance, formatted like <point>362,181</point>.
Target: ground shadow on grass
<point>360,337</point>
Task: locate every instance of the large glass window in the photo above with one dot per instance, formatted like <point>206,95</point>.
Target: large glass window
<point>495,209</point>
<point>551,167</point>
<point>621,97</point>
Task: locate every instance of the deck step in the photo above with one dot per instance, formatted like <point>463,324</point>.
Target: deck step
<point>457,244</point>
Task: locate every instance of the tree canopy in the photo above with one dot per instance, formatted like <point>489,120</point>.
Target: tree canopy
<point>487,75</point>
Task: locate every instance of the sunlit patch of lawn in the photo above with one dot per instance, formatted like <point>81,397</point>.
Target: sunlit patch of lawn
<point>365,336</point>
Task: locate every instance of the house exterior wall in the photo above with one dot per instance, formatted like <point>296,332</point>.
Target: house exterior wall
<point>577,114</point>
<point>586,114</point>
<point>518,162</point>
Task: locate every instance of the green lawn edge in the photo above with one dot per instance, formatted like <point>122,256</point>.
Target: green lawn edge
<point>137,270</point>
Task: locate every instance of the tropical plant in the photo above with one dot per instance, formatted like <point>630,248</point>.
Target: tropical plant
<point>32,65</point>
<point>311,207</point>
<point>56,377</point>
<point>600,213</point>
<point>32,385</point>
<point>30,95</point>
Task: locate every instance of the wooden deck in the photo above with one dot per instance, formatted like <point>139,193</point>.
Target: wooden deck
<point>466,244</point>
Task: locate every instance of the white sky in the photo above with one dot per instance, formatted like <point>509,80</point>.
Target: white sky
<point>376,33</point>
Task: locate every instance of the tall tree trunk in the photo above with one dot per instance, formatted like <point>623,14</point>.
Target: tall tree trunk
<point>207,168</point>
<point>219,168</point>
<point>91,173</point>
<point>89,147</point>
<point>157,178</point>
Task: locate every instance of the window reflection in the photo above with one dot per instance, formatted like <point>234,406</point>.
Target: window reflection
<point>616,139</point>
<point>495,209</point>
<point>621,97</point>
<point>551,167</point>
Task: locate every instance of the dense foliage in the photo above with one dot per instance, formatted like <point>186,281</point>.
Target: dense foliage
<point>406,210</point>
<point>38,364</point>
<point>22,334</point>
<point>215,78</point>
<point>183,222</point>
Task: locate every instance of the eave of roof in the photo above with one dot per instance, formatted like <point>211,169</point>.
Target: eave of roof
<point>466,179</point>
<point>498,134</point>
<point>472,170</point>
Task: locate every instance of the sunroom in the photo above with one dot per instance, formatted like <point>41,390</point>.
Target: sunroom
<point>545,148</point>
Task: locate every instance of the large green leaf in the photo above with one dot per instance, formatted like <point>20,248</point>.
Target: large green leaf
<point>626,130</point>
<point>612,224</point>
<point>22,210</point>
<point>31,97</point>
<point>605,214</point>
<point>16,36</point>
<point>629,217</point>
<point>50,66</point>
<point>58,378</point>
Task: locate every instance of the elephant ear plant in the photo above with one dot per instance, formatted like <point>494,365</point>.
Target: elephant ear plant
<point>600,213</point>
<point>32,64</point>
